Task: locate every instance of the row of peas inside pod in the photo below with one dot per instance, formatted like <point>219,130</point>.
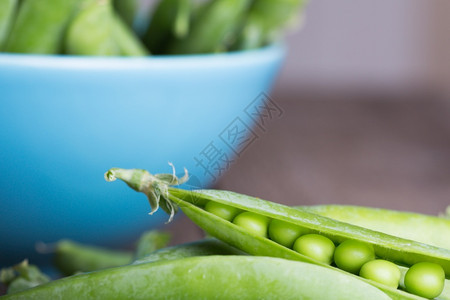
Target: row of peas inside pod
<point>423,279</point>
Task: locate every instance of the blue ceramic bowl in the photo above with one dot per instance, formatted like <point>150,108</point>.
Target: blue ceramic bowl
<point>64,121</point>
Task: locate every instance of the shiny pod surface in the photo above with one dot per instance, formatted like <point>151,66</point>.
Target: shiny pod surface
<point>418,227</point>
<point>386,246</point>
<point>204,247</point>
<point>159,192</point>
<point>212,277</point>
<point>395,248</point>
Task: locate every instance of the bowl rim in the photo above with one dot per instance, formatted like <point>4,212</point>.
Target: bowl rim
<point>60,61</point>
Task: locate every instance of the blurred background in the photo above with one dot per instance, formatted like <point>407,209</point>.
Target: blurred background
<point>359,114</point>
<point>366,117</point>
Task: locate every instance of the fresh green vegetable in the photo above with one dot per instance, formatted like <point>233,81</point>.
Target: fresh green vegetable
<point>92,31</point>
<point>160,192</point>
<point>151,241</point>
<point>22,276</point>
<point>71,257</point>
<point>214,28</point>
<point>413,226</point>
<point>254,223</point>
<point>40,26</point>
<point>199,248</point>
<point>7,15</point>
<point>315,246</point>
<point>127,10</point>
<point>126,40</point>
<point>381,271</point>
<point>223,211</point>
<point>284,233</point>
<point>351,255</point>
<point>210,277</point>
<point>266,20</point>
<point>425,279</point>
<point>170,20</point>
<point>426,229</point>
<point>120,27</point>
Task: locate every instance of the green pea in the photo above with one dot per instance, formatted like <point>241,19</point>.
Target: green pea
<point>381,271</point>
<point>422,228</point>
<point>254,223</point>
<point>285,233</point>
<point>351,255</point>
<point>315,246</point>
<point>221,210</point>
<point>425,279</point>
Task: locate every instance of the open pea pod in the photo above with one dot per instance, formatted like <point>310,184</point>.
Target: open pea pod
<point>413,226</point>
<point>210,277</point>
<point>402,251</point>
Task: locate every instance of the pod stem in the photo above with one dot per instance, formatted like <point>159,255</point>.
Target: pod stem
<point>156,187</point>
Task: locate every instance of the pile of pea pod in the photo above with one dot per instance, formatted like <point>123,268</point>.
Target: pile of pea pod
<point>121,28</point>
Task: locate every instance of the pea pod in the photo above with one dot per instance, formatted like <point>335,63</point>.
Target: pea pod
<point>127,10</point>
<point>128,43</point>
<point>213,29</point>
<point>71,257</point>
<point>418,227</point>
<point>191,202</point>
<point>21,277</point>
<point>170,20</point>
<point>266,20</point>
<point>91,31</point>
<point>40,26</point>
<point>210,277</point>
<point>7,16</point>
<point>150,242</point>
<point>199,248</point>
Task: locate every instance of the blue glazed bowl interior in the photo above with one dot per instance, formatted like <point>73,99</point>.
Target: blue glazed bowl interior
<point>65,120</point>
